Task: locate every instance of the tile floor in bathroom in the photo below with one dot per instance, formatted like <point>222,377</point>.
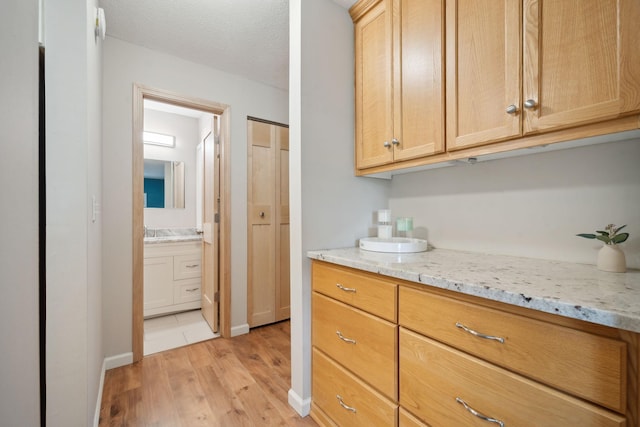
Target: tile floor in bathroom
<point>175,330</point>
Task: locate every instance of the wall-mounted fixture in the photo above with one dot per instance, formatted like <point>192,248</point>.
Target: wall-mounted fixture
<point>101,24</point>
<point>158,139</point>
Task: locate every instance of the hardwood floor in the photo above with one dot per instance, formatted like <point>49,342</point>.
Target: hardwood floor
<point>242,381</point>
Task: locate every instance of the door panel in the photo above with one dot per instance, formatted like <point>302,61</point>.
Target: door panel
<point>211,192</point>
<point>580,62</point>
<point>483,71</point>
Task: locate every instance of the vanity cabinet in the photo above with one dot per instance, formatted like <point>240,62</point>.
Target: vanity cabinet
<point>355,342</point>
<point>399,80</point>
<point>516,68</point>
<point>388,352</point>
<point>171,277</point>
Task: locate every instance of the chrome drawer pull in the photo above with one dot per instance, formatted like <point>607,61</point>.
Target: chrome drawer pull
<point>339,286</point>
<point>478,334</point>
<point>344,405</point>
<point>478,414</point>
<point>343,338</point>
<point>191,265</point>
<point>192,289</point>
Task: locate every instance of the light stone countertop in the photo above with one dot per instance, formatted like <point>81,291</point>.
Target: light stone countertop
<point>171,239</point>
<point>171,235</point>
<point>578,291</point>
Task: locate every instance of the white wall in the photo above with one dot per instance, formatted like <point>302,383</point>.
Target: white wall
<point>531,206</point>
<point>187,133</point>
<point>19,370</point>
<point>125,64</point>
<point>74,353</point>
<point>330,207</point>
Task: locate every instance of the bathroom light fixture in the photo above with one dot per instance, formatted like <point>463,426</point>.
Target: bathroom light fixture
<point>158,139</point>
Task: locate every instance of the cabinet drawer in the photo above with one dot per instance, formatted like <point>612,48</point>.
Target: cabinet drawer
<point>368,344</point>
<point>408,420</point>
<point>186,266</point>
<point>187,292</point>
<point>331,383</point>
<point>434,376</point>
<point>365,291</point>
<point>583,364</point>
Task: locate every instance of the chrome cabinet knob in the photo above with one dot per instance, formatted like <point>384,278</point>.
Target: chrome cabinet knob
<point>530,103</point>
<point>386,144</point>
<point>512,109</point>
<point>395,141</point>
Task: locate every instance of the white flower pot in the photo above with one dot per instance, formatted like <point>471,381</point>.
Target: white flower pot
<point>611,258</point>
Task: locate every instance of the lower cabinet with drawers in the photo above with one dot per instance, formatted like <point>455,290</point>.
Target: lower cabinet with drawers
<point>392,353</point>
<point>172,276</point>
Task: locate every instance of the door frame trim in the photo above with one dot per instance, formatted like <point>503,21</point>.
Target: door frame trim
<point>140,92</point>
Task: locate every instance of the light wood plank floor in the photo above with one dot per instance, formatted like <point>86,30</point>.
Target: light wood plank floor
<point>242,381</point>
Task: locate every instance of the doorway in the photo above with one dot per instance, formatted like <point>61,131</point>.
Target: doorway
<point>215,233</point>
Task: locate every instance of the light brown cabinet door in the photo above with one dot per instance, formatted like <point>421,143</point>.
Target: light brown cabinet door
<point>268,223</point>
<point>399,81</point>
<point>418,78</point>
<point>581,61</point>
<point>483,71</point>
<point>373,91</point>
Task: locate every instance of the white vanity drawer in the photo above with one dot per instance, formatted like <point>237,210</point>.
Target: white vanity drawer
<point>187,292</point>
<point>187,266</point>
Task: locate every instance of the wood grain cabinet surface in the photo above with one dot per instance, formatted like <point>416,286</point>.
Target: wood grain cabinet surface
<point>441,358</point>
<point>399,48</point>
<point>489,76</point>
<point>355,353</point>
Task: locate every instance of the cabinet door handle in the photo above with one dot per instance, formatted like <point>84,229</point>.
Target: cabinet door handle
<point>512,109</point>
<point>261,214</point>
<point>192,265</point>
<point>530,104</point>
<point>344,405</point>
<point>339,286</point>
<point>478,334</point>
<point>386,144</point>
<point>192,289</point>
<point>395,141</point>
<point>478,414</point>
<point>345,339</point>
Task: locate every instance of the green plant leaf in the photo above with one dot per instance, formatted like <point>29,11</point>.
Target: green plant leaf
<point>604,233</point>
<point>620,238</point>
<point>605,239</point>
<point>587,236</point>
<point>621,227</point>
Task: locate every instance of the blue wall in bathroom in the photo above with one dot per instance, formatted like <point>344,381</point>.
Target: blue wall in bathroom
<point>154,189</point>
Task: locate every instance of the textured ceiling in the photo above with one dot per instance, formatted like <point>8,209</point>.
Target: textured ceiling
<point>249,38</point>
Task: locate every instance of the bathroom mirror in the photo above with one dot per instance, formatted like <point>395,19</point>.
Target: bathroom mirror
<point>163,184</point>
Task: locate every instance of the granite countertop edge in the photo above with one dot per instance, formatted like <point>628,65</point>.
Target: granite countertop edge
<point>577,291</point>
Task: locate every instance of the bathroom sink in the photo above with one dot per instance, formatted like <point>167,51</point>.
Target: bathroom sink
<point>394,245</point>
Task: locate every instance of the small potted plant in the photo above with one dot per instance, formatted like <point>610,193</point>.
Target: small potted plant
<point>610,257</point>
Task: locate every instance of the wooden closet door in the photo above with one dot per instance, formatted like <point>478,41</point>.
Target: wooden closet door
<point>262,224</point>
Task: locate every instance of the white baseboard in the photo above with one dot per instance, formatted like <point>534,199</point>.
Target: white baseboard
<point>302,406</point>
<point>118,360</point>
<point>96,416</point>
<point>239,330</point>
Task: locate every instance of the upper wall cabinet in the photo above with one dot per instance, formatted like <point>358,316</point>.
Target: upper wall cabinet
<point>399,80</point>
<point>522,67</point>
